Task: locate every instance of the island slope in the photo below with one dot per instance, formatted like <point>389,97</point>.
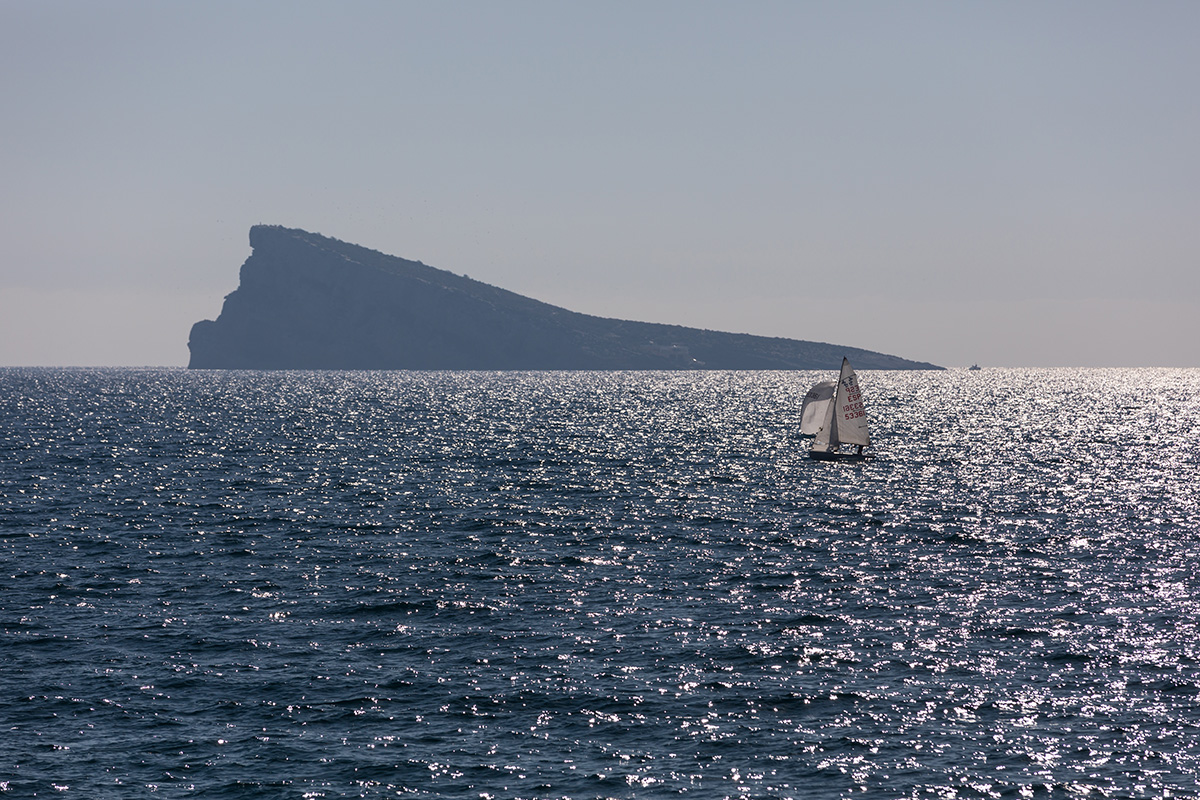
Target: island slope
<point>307,301</point>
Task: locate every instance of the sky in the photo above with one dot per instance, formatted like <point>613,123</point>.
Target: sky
<point>1005,183</point>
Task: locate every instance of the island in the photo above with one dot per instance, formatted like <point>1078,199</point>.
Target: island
<point>307,301</point>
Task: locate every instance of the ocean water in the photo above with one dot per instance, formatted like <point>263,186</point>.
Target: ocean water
<point>578,585</point>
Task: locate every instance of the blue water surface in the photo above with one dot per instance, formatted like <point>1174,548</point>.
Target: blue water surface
<point>577,585</point>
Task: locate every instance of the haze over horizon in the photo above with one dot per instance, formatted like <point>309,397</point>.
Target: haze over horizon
<point>1013,184</point>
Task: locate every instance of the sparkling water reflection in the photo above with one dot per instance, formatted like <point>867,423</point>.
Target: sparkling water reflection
<point>598,584</point>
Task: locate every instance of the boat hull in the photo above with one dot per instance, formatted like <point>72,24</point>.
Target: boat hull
<point>830,455</point>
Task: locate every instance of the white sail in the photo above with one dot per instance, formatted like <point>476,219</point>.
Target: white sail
<point>827,435</point>
<point>816,402</point>
<point>850,416</point>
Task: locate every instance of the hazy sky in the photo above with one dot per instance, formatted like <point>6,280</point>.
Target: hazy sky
<point>1013,183</point>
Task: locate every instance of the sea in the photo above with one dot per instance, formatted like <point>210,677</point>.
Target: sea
<point>236,584</point>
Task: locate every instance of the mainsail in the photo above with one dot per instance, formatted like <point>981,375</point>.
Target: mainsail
<point>851,415</point>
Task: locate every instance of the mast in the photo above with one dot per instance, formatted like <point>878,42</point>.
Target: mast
<point>834,441</point>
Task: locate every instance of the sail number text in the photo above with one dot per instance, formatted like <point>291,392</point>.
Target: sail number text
<point>854,408</point>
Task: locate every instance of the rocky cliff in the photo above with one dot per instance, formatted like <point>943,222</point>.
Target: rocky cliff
<point>310,302</point>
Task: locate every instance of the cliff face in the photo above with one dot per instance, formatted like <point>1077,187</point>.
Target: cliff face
<point>310,302</point>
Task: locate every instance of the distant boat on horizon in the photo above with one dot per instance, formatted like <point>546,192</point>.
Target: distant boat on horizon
<point>842,415</point>
<point>973,367</point>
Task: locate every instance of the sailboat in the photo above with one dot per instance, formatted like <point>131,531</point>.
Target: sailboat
<point>843,419</point>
